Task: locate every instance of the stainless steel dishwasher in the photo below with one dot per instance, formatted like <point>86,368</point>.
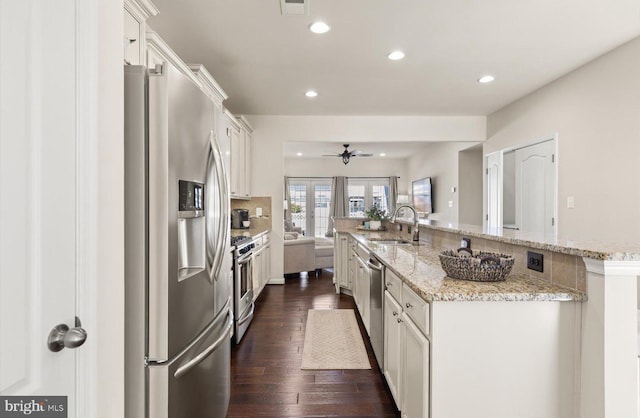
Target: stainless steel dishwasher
<point>376,300</point>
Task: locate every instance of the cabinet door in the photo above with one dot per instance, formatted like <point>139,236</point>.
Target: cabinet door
<point>415,372</point>
<point>393,337</point>
<point>257,272</point>
<point>341,260</point>
<point>267,264</point>
<point>132,42</point>
<point>223,133</point>
<point>352,262</point>
<point>237,155</point>
<point>247,163</point>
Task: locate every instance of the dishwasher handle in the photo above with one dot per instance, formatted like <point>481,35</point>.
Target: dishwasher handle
<point>374,264</point>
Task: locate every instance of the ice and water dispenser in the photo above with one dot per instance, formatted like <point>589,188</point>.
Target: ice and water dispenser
<point>191,229</point>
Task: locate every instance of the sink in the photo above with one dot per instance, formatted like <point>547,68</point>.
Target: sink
<point>391,241</point>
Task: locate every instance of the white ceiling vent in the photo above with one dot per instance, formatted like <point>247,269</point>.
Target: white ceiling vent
<point>294,7</point>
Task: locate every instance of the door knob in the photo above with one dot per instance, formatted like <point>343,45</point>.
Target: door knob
<point>61,336</point>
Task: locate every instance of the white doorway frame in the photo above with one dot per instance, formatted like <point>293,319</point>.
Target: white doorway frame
<point>87,45</point>
<point>552,137</point>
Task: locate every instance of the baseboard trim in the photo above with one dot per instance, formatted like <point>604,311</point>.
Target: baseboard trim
<point>276,280</point>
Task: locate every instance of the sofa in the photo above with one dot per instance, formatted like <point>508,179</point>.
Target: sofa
<point>306,253</point>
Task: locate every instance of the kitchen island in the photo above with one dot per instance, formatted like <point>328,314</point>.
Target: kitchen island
<point>562,349</point>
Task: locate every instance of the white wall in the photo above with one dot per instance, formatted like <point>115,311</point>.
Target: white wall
<point>270,133</point>
<point>110,223</point>
<point>596,112</point>
<point>440,162</point>
<point>357,167</point>
<point>470,163</point>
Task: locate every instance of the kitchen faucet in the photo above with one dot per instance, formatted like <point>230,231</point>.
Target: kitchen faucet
<point>416,230</point>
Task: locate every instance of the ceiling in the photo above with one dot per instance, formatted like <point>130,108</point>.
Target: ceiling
<point>266,61</point>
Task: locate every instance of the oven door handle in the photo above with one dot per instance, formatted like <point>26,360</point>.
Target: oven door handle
<point>248,316</point>
<point>245,258</point>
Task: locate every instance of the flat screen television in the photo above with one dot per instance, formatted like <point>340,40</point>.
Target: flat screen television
<point>421,194</point>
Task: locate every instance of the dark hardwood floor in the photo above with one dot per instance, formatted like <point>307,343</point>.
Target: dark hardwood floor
<point>266,379</point>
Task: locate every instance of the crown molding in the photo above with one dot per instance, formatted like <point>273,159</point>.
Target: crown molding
<point>141,9</point>
<point>245,123</point>
<point>209,83</point>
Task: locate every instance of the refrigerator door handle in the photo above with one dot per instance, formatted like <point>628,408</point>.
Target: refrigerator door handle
<point>206,353</point>
<point>215,163</point>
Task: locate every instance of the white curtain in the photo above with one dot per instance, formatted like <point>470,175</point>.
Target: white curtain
<point>339,205</point>
<point>393,193</point>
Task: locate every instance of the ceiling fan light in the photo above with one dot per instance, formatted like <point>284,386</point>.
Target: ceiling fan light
<point>345,159</point>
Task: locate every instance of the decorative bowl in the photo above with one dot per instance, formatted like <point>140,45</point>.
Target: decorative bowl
<point>477,266</point>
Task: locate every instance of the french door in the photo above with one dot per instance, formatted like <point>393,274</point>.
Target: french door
<point>310,202</point>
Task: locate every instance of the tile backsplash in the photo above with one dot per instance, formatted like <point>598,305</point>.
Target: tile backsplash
<point>263,202</point>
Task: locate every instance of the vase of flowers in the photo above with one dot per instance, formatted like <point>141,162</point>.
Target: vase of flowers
<point>376,215</point>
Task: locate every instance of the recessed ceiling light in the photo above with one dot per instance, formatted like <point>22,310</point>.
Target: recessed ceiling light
<point>396,55</point>
<point>299,154</point>
<point>486,79</point>
<point>382,154</point>
<point>311,93</point>
<point>319,27</point>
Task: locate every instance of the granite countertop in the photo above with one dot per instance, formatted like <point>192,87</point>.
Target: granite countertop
<point>598,250</point>
<point>419,267</point>
<point>253,232</point>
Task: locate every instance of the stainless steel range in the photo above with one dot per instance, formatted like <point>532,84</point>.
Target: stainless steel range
<point>243,306</point>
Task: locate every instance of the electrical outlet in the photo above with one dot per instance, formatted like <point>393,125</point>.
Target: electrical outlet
<point>465,243</point>
<point>258,212</point>
<point>535,261</point>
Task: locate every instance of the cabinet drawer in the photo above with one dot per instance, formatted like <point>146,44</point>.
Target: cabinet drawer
<point>257,243</point>
<point>416,308</point>
<point>266,238</point>
<point>393,284</point>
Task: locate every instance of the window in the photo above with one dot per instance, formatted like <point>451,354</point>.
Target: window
<point>310,201</point>
<point>367,192</point>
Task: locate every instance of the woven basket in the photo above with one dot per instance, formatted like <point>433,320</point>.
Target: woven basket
<point>480,266</point>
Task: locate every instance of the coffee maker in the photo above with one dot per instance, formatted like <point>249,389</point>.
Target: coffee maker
<point>240,219</point>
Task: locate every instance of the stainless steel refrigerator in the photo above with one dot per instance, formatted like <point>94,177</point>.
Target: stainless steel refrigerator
<point>177,251</point>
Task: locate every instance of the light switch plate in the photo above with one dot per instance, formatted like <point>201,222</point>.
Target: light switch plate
<point>258,211</point>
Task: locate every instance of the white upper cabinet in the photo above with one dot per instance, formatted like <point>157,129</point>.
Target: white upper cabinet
<point>240,134</point>
<point>245,136</point>
<point>136,13</point>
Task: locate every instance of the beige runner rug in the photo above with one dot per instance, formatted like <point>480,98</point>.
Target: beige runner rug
<point>332,341</point>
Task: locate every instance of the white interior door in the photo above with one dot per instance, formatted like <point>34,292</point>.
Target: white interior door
<point>536,188</point>
<point>39,204</point>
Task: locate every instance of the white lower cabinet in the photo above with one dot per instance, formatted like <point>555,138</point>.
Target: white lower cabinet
<point>406,354</point>
<point>341,261</point>
<point>361,293</point>
<point>393,355</point>
<point>261,264</point>
<point>496,359</point>
<point>415,373</point>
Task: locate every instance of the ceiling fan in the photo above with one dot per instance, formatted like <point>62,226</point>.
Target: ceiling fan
<point>346,154</point>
